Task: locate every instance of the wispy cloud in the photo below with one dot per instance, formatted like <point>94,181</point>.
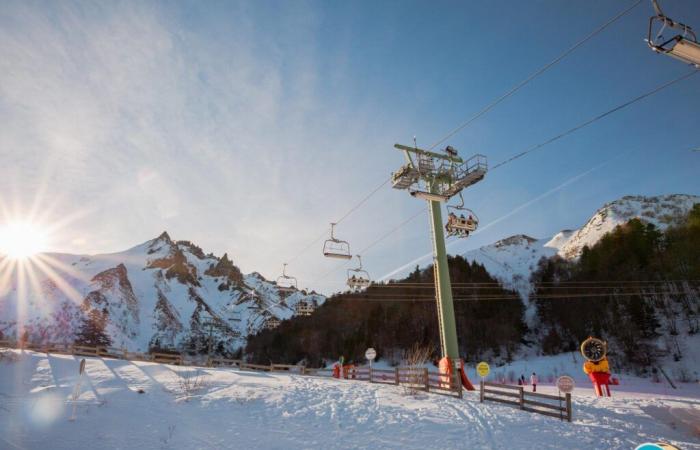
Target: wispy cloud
<point>148,120</point>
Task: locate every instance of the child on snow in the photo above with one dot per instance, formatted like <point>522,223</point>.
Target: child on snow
<point>533,382</point>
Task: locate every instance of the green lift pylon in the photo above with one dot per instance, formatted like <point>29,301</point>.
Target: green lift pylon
<point>436,177</point>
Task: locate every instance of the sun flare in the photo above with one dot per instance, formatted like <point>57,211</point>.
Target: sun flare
<point>20,240</point>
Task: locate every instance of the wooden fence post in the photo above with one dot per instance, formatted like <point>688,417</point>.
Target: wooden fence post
<point>458,384</point>
<point>427,380</point>
<point>568,407</point>
<point>521,393</point>
<point>397,376</point>
<point>481,391</point>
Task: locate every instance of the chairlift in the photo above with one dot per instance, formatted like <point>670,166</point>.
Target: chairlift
<point>459,225</point>
<point>358,278</point>
<point>335,248</point>
<point>684,47</point>
<point>286,283</point>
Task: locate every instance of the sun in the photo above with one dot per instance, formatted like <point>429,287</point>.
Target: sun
<point>20,240</point>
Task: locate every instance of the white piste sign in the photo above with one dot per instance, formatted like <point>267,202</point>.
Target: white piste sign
<point>370,354</point>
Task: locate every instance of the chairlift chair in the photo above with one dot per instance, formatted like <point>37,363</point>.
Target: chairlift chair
<point>286,283</point>
<point>684,47</point>
<point>358,278</point>
<point>335,248</point>
<point>459,225</point>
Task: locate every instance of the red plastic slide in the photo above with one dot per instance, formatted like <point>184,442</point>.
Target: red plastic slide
<point>465,381</point>
<point>446,366</point>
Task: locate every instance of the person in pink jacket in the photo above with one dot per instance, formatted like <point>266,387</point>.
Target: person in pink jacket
<point>533,382</point>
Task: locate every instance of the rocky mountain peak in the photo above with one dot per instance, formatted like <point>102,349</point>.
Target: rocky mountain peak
<point>518,239</point>
<point>225,268</point>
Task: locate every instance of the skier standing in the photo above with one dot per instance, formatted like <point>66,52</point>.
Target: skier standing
<point>533,382</point>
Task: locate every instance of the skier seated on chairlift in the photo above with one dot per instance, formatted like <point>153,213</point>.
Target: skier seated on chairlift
<point>451,218</point>
<point>463,222</point>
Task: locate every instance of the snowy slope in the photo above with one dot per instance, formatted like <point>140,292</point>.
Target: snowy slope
<point>161,293</point>
<point>234,409</point>
<point>661,211</point>
<point>512,260</point>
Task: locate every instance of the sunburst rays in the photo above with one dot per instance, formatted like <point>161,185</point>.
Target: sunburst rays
<point>33,285</point>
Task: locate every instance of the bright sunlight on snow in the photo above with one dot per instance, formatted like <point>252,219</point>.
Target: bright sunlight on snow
<point>144,405</point>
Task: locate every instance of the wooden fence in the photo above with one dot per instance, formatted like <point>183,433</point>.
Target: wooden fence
<point>548,405</point>
<point>418,379</point>
<point>414,378</point>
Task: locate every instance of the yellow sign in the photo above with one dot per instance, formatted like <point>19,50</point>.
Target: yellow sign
<point>482,369</point>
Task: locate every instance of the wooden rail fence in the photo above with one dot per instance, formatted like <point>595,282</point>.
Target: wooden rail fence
<point>416,378</point>
<point>548,405</point>
<point>419,379</point>
<point>413,378</point>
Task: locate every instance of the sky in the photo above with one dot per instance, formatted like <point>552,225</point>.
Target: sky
<point>247,127</point>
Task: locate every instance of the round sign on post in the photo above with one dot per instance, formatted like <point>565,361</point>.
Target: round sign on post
<point>565,384</point>
<point>483,369</point>
<point>370,354</point>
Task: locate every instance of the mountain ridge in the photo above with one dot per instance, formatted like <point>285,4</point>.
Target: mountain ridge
<point>513,259</point>
<point>162,294</point>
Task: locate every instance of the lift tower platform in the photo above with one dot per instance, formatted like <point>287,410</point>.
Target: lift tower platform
<point>436,177</point>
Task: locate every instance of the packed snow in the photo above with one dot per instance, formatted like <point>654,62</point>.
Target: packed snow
<point>201,408</point>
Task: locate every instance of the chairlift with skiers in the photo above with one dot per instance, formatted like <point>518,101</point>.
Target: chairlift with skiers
<point>460,220</point>
<point>358,278</point>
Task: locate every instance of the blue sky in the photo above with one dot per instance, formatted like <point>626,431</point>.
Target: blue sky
<point>248,127</point>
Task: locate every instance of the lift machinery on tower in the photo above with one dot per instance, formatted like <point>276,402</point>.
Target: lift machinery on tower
<point>436,177</point>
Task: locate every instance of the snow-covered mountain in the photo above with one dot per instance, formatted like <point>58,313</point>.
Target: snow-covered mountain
<point>163,294</point>
<point>512,260</point>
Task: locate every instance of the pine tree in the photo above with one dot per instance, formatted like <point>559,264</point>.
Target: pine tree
<point>92,330</point>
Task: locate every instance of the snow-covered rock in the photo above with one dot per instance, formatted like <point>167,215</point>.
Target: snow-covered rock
<point>512,260</point>
<point>162,293</point>
<point>662,211</point>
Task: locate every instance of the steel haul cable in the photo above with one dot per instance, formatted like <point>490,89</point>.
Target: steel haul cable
<point>534,75</point>
<point>595,119</point>
<point>486,109</point>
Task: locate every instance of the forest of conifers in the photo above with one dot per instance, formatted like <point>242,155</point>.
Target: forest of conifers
<point>636,276</point>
